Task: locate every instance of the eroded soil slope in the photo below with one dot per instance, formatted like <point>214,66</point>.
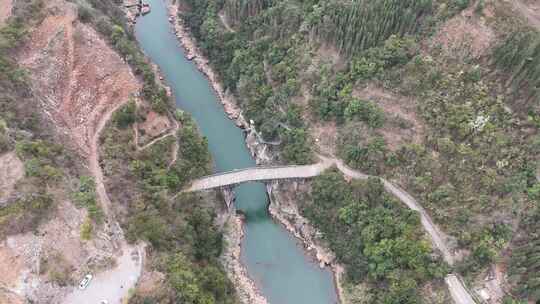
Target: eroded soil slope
<point>5,10</point>
<point>77,75</point>
<point>78,81</point>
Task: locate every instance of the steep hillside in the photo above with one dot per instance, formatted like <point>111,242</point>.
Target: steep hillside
<point>71,76</point>
<point>437,96</point>
<point>38,212</point>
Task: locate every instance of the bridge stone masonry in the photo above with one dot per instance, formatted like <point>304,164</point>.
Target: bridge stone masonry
<point>227,180</point>
<point>258,174</point>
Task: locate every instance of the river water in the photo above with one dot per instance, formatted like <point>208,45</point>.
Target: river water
<point>273,258</point>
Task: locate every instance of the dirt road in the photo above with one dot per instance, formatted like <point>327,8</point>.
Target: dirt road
<point>458,292</point>
<point>113,285</point>
<point>93,159</point>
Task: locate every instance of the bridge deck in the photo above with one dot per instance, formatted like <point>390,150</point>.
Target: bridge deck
<point>258,174</point>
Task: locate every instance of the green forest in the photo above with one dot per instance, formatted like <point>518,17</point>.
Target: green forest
<point>476,162</point>
<point>296,67</point>
<point>380,242</point>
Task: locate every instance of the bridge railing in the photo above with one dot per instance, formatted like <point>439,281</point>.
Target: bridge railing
<point>252,169</point>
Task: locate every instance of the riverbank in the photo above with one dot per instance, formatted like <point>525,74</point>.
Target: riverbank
<point>262,154</point>
<point>258,150</point>
<point>193,53</point>
<point>230,259</point>
<point>247,290</point>
<point>284,209</point>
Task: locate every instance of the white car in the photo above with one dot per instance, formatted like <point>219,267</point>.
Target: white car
<point>85,281</point>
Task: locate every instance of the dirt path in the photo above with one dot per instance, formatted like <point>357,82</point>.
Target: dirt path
<point>459,293</point>
<point>532,14</point>
<point>176,147</point>
<point>437,237</point>
<point>113,285</point>
<point>223,19</point>
<point>173,132</point>
<point>155,140</point>
<point>457,288</point>
<point>93,160</point>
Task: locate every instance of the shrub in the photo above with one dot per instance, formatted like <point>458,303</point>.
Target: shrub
<point>25,214</point>
<point>365,111</point>
<point>86,229</point>
<point>84,13</point>
<point>296,146</point>
<point>126,115</point>
<point>85,196</point>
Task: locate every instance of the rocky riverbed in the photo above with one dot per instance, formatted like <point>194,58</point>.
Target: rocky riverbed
<point>284,208</point>
<point>230,259</point>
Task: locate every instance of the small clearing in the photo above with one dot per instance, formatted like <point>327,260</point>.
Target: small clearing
<point>154,125</point>
<point>5,10</point>
<point>402,125</point>
<point>77,76</point>
<point>325,135</point>
<point>529,9</point>
<point>112,285</point>
<point>465,33</point>
<point>11,171</point>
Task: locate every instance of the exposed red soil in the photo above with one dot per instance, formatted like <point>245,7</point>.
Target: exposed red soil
<point>77,75</point>
<point>154,125</point>
<point>10,268</point>
<point>5,10</point>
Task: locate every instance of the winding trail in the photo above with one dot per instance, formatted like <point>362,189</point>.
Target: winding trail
<point>223,19</point>
<point>112,285</point>
<point>93,161</point>
<point>458,291</point>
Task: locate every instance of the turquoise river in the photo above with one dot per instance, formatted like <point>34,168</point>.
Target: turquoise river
<point>273,258</point>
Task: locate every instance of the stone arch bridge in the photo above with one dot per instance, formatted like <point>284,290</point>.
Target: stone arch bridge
<point>257,174</point>
<point>227,180</point>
